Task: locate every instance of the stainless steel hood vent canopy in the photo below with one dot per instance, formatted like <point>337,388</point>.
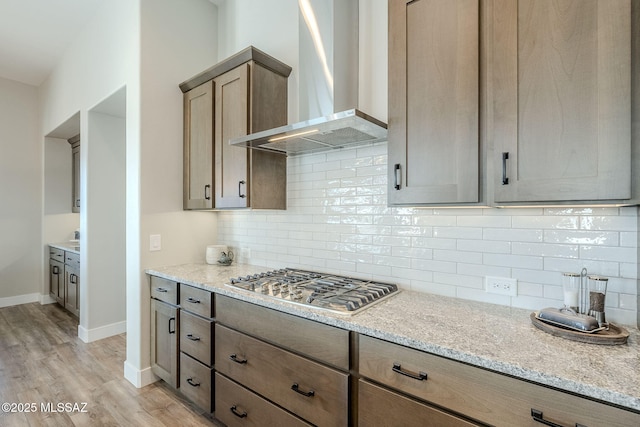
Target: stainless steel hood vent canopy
<point>328,86</point>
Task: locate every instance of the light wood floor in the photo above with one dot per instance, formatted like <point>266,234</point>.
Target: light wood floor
<point>42,361</point>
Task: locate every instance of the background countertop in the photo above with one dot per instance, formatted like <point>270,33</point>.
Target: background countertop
<point>67,246</point>
<point>490,336</point>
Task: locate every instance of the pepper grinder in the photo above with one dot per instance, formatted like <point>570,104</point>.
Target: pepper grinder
<point>597,293</point>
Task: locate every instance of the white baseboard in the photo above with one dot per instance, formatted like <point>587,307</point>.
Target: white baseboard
<point>46,299</point>
<point>95,334</point>
<point>139,378</point>
<point>19,299</point>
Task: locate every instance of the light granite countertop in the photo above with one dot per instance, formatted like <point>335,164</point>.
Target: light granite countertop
<point>73,247</point>
<point>490,336</point>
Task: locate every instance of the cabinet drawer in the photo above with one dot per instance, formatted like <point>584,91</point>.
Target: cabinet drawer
<point>480,394</point>
<point>378,406</point>
<point>325,343</point>
<point>164,290</point>
<point>314,392</point>
<point>237,406</point>
<point>196,380</point>
<point>72,259</point>
<point>57,254</point>
<point>196,337</point>
<point>196,300</point>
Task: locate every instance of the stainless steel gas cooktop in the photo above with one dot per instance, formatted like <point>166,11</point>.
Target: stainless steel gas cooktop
<point>338,294</point>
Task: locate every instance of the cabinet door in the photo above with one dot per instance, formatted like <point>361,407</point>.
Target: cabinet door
<point>75,156</point>
<point>56,280</point>
<point>72,289</point>
<point>433,101</point>
<point>198,147</point>
<point>164,341</point>
<point>559,74</point>
<point>232,120</point>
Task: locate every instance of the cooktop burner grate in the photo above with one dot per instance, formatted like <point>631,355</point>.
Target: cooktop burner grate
<point>338,294</point>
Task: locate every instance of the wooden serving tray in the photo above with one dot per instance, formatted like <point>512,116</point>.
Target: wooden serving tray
<point>615,335</point>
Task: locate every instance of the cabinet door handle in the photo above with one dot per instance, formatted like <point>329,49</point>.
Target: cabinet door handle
<point>505,157</point>
<point>234,409</point>
<point>538,417</point>
<point>420,376</point>
<point>309,393</point>
<point>174,325</point>
<point>234,357</point>
<point>192,337</point>
<point>242,196</point>
<point>193,300</point>
<point>398,176</point>
<point>207,192</point>
<point>163,290</point>
<point>192,383</point>
<point>73,278</point>
<point>56,269</point>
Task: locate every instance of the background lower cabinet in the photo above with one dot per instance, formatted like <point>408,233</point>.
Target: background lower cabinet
<point>237,406</point>
<point>64,278</point>
<point>72,282</point>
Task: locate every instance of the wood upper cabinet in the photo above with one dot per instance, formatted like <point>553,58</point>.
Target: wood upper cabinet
<point>434,149</point>
<point>75,172</point>
<point>198,147</point>
<point>244,94</point>
<point>559,87</point>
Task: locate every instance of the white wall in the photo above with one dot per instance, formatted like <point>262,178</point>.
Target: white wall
<point>21,194</point>
<point>178,40</point>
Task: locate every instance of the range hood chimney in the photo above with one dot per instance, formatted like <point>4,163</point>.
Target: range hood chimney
<point>328,86</point>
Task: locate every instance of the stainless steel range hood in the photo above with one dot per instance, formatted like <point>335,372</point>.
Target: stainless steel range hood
<point>328,86</point>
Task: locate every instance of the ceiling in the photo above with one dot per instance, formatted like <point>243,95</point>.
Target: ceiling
<point>34,34</point>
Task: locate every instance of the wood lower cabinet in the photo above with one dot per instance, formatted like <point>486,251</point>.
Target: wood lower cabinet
<point>243,94</point>
<point>196,382</point>
<point>378,407</point>
<point>196,345</point>
<point>479,394</point>
<point>314,392</point>
<point>237,406</point>
<point>165,324</point>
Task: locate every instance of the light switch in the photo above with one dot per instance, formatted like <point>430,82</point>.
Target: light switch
<point>155,242</point>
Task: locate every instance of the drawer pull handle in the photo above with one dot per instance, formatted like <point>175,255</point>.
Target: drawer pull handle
<point>192,383</point>
<point>193,300</point>
<point>538,417</point>
<point>192,338</point>
<point>234,409</point>
<point>397,176</point>
<point>421,376</point>
<point>163,290</point>
<point>234,357</point>
<point>309,393</point>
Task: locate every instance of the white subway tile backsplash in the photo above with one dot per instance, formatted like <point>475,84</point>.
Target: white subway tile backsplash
<point>338,221</point>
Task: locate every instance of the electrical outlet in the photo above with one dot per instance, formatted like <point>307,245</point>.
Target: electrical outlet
<point>155,242</point>
<point>501,286</point>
